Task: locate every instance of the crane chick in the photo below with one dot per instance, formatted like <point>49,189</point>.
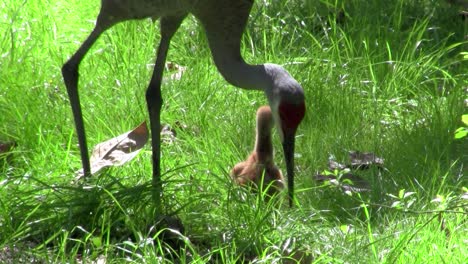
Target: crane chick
<point>259,168</point>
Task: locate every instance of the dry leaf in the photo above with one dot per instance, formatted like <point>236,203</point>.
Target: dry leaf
<point>168,134</point>
<point>362,160</point>
<point>6,149</point>
<point>179,70</point>
<point>359,161</point>
<point>6,146</point>
<point>118,150</point>
<point>334,165</point>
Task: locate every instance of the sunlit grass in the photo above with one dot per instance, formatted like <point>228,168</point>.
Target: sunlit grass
<point>388,79</point>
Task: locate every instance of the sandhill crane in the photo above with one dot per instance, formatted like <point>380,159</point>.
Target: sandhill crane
<point>260,167</point>
<point>224,23</point>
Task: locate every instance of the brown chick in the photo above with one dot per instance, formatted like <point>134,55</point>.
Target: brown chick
<point>260,162</point>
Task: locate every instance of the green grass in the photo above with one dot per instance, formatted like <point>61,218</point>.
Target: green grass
<point>389,79</point>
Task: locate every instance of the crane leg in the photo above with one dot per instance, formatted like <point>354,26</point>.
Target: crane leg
<point>70,76</point>
<point>169,26</point>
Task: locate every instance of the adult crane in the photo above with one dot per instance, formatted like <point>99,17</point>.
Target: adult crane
<point>224,22</point>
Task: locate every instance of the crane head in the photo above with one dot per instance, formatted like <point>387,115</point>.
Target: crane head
<point>286,98</point>
<point>290,116</point>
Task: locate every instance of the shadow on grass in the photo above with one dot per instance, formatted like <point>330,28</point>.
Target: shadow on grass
<point>99,216</point>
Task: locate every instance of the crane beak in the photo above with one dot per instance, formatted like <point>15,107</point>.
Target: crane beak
<point>289,116</point>
<point>288,149</point>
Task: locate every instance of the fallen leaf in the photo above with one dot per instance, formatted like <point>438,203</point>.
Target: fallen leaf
<point>179,70</point>
<point>168,134</point>
<point>354,183</point>
<point>334,165</point>
<point>179,125</point>
<point>117,151</point>
<point>323,177</point>
<point>359,161</point>
<point>6,147</point>
<point>362,160</point>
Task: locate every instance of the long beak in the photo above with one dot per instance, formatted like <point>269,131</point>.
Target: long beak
<point>288,148</point>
